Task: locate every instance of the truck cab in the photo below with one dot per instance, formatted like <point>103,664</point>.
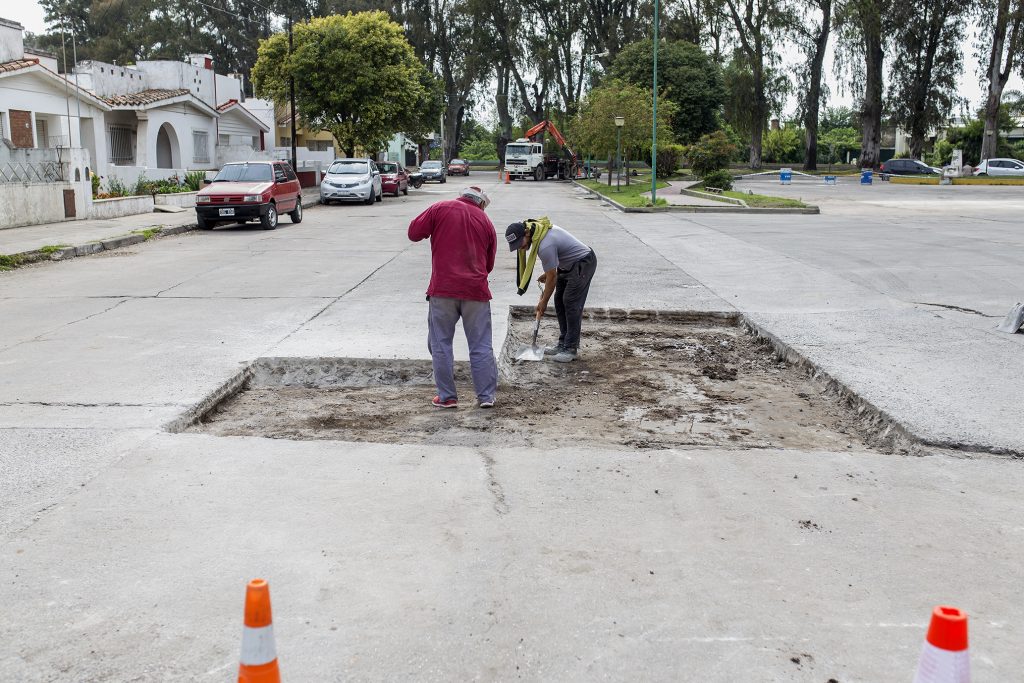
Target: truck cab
<point>525,159</point>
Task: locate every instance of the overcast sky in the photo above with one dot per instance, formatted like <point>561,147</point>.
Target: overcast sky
<point>972,86</point>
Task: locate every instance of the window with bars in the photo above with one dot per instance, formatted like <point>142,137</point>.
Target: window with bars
<point>200,147</point>
<point>120,146</point>
<point>223,140</point>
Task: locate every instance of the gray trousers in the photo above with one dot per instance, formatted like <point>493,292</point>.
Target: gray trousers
<point>571,289</point>
<point>476,321</point>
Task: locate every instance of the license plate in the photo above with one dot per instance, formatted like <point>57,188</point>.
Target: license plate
<point>227,212</point>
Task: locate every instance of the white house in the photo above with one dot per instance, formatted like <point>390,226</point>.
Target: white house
<point>168,117</point>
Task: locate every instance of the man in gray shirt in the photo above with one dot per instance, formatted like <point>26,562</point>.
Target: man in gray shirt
<point>569,266</point>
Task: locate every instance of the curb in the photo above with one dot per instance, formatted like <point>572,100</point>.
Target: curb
<point>145,234</point>
<point>731,208</point>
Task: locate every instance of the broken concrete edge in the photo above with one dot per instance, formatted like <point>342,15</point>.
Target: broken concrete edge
<point>698,209</point>
<point>200,410</point>
<point>25,258</point>
<point>877,422</point>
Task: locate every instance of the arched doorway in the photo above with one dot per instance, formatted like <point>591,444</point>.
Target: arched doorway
<point>168,153</point>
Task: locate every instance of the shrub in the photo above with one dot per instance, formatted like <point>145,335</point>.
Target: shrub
<point>942,154</point>
<point>116,188</point>
<point>783,146</point>
<point>194,180</point>
<point>721,179</point>
<point>710,153</point>
<point>143,186</point>
<point>668,160</point>
<point>95,185</point>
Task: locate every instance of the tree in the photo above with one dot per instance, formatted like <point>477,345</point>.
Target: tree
<point>840,143</point>
<point>701,22</point>
<point>1005,21</point>
<point>594,125</point>
<point>865,24</point>
<point>757,24</point>
<point>689,79</point>
<point>812,33</point>
<point>382,92</point>
<point>710,153</point>
<point>837,117</point>
<point>926,40</point>
<point>970,137</point>
<point>783,145</point>
<point>741,109</point>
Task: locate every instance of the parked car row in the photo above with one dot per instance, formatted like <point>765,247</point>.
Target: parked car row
<point>264,190</point>
<point>988,167</point>
<point>1000,167</point>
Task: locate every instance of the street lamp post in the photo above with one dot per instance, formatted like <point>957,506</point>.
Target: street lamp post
<point>654,110</point>
<point>620,121</point>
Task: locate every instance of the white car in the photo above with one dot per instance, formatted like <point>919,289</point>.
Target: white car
<point>349,180</point>
<point>1000,167</point>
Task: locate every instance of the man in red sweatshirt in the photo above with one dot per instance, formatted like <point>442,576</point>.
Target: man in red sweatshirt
<point>463,244</point>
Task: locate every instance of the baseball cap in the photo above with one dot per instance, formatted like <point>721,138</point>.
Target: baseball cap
<point>477,195</point>
<point>514,235</point>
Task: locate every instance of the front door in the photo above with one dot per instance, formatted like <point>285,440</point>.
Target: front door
<point>21,128</point>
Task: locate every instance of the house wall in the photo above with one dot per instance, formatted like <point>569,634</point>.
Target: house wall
<point>40,95</point>
<point>35,203</point>
<point>174,75</point>
<point>183,120</point>
<point>12,44</point>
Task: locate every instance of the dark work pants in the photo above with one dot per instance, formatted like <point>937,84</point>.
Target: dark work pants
<point>571,289</point>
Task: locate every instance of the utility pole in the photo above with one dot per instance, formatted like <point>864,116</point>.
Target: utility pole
<point>291,89</point>
<point>654,117</point>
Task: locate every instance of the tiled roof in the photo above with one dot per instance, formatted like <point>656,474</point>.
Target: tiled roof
<point>137,99</point>
<point>17,64</point>
<point>227,105</point>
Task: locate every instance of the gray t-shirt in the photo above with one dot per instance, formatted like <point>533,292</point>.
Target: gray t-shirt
<point>559,249</point>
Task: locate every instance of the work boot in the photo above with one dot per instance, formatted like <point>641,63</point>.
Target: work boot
<point>553,350</point>
<point>565,356</point>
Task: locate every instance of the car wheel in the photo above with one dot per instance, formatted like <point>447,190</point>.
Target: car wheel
<point>398,190</point>
<point>203,224</point>
<point>380,196</point>
<point>296,214</point>
<point>370,199</point>
<point>444,180</point>
<point>982,174</point>
<point>268,221</point>
<point>538,174</point>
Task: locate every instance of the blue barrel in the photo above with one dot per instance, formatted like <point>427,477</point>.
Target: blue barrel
<point>785,176</point>
<point>865,176</point>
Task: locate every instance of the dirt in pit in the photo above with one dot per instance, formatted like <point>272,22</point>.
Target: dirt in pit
<point>643,385</point>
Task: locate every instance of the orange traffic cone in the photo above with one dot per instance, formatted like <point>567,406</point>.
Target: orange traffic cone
<point>945,658</point>
<point>258,663</point>
<point>508,178</point>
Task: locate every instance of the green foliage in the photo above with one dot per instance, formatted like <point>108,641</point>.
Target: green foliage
<point>593,129</point>
<point>721,179</point>
<point>942,154</point>
<point>116,188</point>
<point>668,159</point>
<point>741,99</point>
<point>479,150</point>
<point>833,118</point>
<point>783,145</point>
<point>142,186</point>
<point>839,142</point>
<point>710,153</point>
<point>9,261</point>
<point>194,180</point>
<point>95,180</point>
<point>355,75</point>
<point>690,80</point>
<point>52,248</point>
<point>1017,150</point>
<point>969,136</point>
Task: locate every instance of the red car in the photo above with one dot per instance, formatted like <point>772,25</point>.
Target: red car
<point>458,167</point>
<point>250,191</point>
<point>394,178</point>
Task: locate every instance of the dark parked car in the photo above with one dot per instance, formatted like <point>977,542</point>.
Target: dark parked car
<point>908,167</point>
<point>434,170</point>
<point>393,177</point>
<point>458,167</point>
<point>249,191</point>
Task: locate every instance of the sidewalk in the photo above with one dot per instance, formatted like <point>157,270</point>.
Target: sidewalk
<point>673,195</point>
<point>77,238</point>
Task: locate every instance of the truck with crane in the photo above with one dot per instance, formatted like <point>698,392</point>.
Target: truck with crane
<point>525,157</point>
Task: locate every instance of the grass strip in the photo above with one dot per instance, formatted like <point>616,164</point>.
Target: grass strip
<point>764,201</point>
<point>631,195</point>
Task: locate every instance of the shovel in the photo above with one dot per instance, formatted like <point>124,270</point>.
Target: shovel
<point>531,352</point>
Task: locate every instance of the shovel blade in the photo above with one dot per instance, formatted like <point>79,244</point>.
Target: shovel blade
<point>533,353</point>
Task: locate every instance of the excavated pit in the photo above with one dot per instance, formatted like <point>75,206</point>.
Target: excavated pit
<point>643,381</point>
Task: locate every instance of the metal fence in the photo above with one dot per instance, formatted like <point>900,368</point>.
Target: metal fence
<point>40,172</point>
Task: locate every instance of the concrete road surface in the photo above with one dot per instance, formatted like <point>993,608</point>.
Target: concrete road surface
<point>125,548</point>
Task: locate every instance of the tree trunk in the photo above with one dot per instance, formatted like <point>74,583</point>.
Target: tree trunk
<point>814,87</point>
<point>627,167</point>
<point>609,169</point>
<point>504,117</point>
<point>871,109</point>
<point>990,137</point>
<point>757,127</point>
<point>997,76</point>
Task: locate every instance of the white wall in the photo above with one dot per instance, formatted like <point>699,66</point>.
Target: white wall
<point>264,111</point>
<point>183,119</point>
<point>40,94</point>
<point>35,203</point>
<point>12,45</point>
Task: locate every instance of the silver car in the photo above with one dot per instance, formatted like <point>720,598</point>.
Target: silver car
<point>1000,167</point>
<point>351,180</point>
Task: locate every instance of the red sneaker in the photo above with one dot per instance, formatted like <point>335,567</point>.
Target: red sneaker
<point>450,403</point>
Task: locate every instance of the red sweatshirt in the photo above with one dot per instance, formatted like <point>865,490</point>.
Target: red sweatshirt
<point>463,245</point>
